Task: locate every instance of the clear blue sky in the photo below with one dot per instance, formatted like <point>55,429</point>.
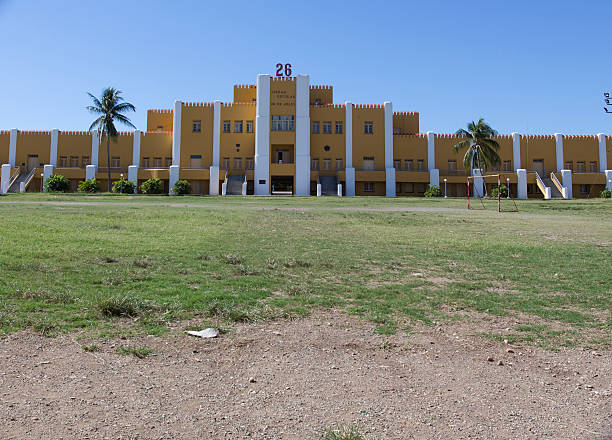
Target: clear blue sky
<point>528,66</point>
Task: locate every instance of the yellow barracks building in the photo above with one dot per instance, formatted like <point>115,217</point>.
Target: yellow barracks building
<point>286,136</point>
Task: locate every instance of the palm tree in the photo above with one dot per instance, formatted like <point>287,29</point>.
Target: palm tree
<point>110,107</point>
<point>481,148</point>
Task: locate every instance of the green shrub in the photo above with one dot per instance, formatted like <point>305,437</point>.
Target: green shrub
<point>57,183</point>
<point>181,187</point>
<point>606,194</point>
<point>433,191</point>
<point>124,187</point>
<point>89,186</point>
<point>152,186</point>
<point>504,191</point>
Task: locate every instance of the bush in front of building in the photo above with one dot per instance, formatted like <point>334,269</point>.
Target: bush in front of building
<point>89,186</point>
<point>606,194</point>
<point>124,187</point>
<point>57,183</point>
<point>433,191</point>
<point>504,191</point>
<point>152,186</point>
<point>181,187</point>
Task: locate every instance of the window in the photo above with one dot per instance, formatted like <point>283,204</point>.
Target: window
<point>421,188</point>
<point>585,189</point>
<point>237,126</point>
<point>74,161</point>
<point>326,164</point>
<point>145,162</point>
<point>314,164</point>
<point>157,162</point>
<point>317,102</point>
<point>593,167</point>
<point>368,187</point>
<point>339,127</point>
<point>368,127</point>
<point>85,161</point>
<point>420,165</point>
<point>282,123</point>
<point>196,127</point>
<point>452,165</point>
<point>249,163</point>
<point>315,127</point>
<point>569,165</point>
<point>326,127</point>
<point>397,164</point>
<point>115,162</point>
<point>580,168</point>
<point>168,162</point>
<point>63,161</point>
<point>249,127</point>
<point>409,165</point>
<point>368,163</point>
<point>226,126</point>
<point>507,165</point>
<point>226,163</point>
<point>160,128</point>
<point>339,164</point>
<point>238,163</point>
<point>398,187</point>
<point>409,187</point>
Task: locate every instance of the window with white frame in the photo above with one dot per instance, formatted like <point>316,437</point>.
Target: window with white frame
<point>327,127</point>
<point>196,126</point>
<point>115,162</point>
<point>85,161</point>
<point>157,162</point>
<point>569,165</point>
<point>368,187</point>
<point>368,163</point>
<point>339,127</point>
<point>339,164</point>
<point>63,161</point>
<point>326,164</point>
<point>226,126</point>
<point>315,127</point>
<point>397,164</point>
<point>249,126</point>
<point>585,189</point>
<point>314,164</point>
<point>409,165</point>
<point>593,167</point>
<point>74,161</point>
<point>237,126</point>
<point>237,163</point>
<point>507,165</point>
<point>368,127</point>
<point>146,162</point>
<point>168,162</point>
<point>249,163</point>
<point>283,123</point>
<point>420,165</point>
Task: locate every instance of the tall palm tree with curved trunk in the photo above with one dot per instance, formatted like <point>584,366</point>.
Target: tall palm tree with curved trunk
<point>110,108</point>
<point>481,148</point>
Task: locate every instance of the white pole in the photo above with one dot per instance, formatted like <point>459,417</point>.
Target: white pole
<point>445,188</point>
<point>508,187</point>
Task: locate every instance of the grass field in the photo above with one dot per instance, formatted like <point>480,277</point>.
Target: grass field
<point>97,263</point>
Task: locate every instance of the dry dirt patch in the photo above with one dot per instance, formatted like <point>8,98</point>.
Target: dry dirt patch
<point>290,379</point>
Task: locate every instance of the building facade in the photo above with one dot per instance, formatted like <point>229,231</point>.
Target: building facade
<point>286,136</point>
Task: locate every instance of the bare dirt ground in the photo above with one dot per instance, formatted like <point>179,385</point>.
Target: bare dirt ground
<point>290,380</point>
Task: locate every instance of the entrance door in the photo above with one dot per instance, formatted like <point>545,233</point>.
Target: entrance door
<point>538,165</point>
<point>32,162</point>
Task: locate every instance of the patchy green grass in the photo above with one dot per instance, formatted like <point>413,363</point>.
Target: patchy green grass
<point>139,352</point>
<point>351,433</point>
<point>95,263</point>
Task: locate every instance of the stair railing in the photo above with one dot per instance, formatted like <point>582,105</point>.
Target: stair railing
<point>560,187</point>
<point>543,188</point>
<point>15,176</point>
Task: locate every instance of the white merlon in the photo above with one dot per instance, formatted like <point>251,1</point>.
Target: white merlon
<point>521,183</point>
<point>349,181</point>
<point>434,177</point>
<point>566,181</point>
<point>431,150</point>
<point>136,149</point>
<point>5,177</point>
<point>516,150</point>
<point>603,158</point>
<point>133,176</point>
<point>13,147</point>
<point>216,133</point>
<point>47,172</point>
<point>302,135</point>
<point>90,172</point>
<point>176,133</point>
<point>608,174</point>
<point>348,136</point>
<point>559,151</point>
<point>95,147</point>
<point>262,136</point>
<point>213,181</point>
<point>478,183</point>
<point>339,190</point>
<point>173,178</point>
<point>390,182</point>
<point>53,149</point>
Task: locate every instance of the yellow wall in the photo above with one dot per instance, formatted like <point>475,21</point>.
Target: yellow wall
<point>325,94</point>
<point>369,145</point>
<point>245,93</point>
<point>33,142</point>
<point>410,147</point>
<point>336,142</point>
<point>196,143</point>
<point>156,118</point>
<point>228,148</point>
<point>609,151</point>
<point>405,122</point>
<point>74,143</point>
<point>120,147</point>
<point>581,149</point>
<point>540,147</point>
<point>4,146</point>
<point>155,144</point>
<point>444,152</point>
<point>505,150</point>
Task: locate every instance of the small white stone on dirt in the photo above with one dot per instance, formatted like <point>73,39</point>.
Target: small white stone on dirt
<point>206,333</point>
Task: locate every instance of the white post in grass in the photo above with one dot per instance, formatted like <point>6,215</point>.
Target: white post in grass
<point>5,178</point>
<point>244,189</point>
<point>173,178</point>
<point>521,183</point>
<point>133,176</point>
<point>339,190</point>
<point>318,190</point>
<point>566,181</point>
<point>224,189</point>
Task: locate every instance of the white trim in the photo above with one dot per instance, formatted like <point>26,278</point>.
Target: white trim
<point>90,172</point>
<point>608,174</point>
<point>516,151</point>
<point>566,179</point>
<point>434,177</point>
<point>173,178</point>
<point>431,150</point>
<point>349,181</point>
<point>5,178</point>
<point>390,182</point>
<point>53,148</point>
<point>213,181</point>
<point>262,136</point>
<point>136,149</point>
<point>176,133</point>
<point>559,151</point>
<point>47,172</point>
<point>389,136</point>
<point>521,183</point>
<point>13,147</point>
<point>603,158</point>
<point>348,144</point>
<point>133,176</point>
<point>302,135</point>
<point>216,133</point>
<point>95,147</point>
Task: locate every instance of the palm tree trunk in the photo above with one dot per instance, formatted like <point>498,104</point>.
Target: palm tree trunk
<point>108,163</point>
